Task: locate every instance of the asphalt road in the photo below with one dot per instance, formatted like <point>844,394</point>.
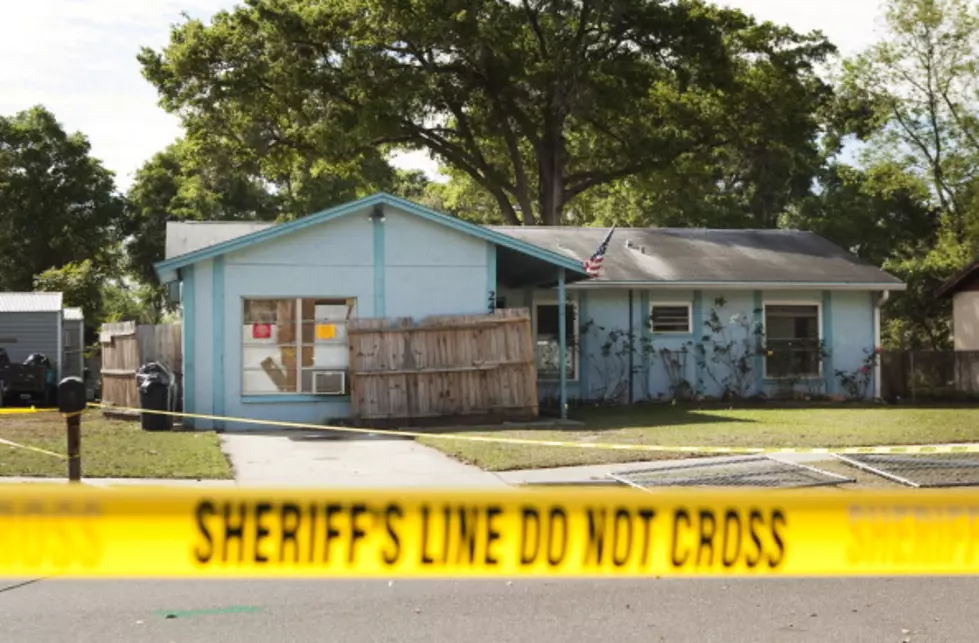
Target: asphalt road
<point>536,611</point>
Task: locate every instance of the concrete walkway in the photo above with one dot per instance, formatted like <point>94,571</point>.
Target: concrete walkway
<point>297,459</point>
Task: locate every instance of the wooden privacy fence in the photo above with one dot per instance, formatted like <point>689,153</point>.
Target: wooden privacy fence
<point>125,347</point>
<point>457,368</point>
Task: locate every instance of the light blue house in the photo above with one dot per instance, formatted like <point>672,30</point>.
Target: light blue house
<point>790,310</point>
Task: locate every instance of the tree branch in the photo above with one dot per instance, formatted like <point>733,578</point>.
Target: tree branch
<point>458,156</point>
<point>958,121</point>
<point>535,26</point>
<point>519,170</point>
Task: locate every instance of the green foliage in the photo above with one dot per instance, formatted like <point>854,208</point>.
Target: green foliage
<point>186,182</point>
<point>58,205</point>
<point>916,318</point>
<point>198,179</point>
<point>912,99</point>
<point>535,102</point>
<point>102,292</point>
<point>874,212</point>
<point>80,282</point>
<point>916,89</point>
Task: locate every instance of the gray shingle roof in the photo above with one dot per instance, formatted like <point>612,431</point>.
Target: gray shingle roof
<point>649,255</point>
<point>704,256</point>
<point>188,236</point>
<point>30,302</point>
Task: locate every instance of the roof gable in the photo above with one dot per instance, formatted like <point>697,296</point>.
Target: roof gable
<point>964,279</point>
<point>166,269</point>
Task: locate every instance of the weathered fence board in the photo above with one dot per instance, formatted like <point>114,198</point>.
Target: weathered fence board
<point>455,368</point>
<point>126,346</point>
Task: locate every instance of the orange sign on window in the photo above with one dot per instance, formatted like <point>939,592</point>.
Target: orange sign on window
<point>326,331</point>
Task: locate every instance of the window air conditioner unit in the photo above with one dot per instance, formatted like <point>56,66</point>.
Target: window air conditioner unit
<point>329,382</point>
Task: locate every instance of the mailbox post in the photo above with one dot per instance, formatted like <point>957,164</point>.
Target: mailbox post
<point>71,402</point>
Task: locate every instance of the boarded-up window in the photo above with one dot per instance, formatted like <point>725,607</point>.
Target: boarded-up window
<point>287,342</point>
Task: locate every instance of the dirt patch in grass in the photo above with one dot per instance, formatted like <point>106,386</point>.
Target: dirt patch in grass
<point>110,449</point>
<point>665,425</point>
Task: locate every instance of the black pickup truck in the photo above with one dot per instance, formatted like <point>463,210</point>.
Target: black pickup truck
<point>33,380</point>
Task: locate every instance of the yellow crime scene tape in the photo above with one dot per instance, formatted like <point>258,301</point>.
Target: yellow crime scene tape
<point>17,445</point>
<point>14,410</point>
<point>653,448</point>
<point>171,533</point>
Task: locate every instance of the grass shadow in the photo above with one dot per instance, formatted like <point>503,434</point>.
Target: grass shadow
<point>591,420</point>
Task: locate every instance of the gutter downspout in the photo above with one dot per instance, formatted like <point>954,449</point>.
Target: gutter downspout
<point>881,300</point>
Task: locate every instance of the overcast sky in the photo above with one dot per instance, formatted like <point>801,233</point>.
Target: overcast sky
<point>78,58</point>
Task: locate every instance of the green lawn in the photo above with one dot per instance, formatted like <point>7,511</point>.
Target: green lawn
<point>749,427</point>
<point>110,449</point>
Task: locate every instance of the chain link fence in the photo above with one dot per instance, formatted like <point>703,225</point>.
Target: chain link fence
<point>921,470</point>
<point>913,470</point>
<point>744,471</point>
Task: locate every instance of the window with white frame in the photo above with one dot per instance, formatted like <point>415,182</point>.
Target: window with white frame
<point>669,317</point>
<point>295,345</point>
<point>792,340</point>
<point>547,338</point>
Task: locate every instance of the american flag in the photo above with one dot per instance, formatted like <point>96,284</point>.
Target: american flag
<point>593,265</point>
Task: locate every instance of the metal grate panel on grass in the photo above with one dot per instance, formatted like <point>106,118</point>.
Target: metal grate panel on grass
<point>921,470</point>
<point>747,471</point>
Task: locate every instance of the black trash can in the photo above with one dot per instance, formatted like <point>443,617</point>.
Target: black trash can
<point>153,380</point>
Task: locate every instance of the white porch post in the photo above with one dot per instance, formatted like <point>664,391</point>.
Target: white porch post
<point>562,342</point>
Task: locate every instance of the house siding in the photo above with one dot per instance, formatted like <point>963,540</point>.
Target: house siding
<point>852,331</point>
<point>965,318</point>
<point>847,326</point>
<point>202,401</point>
<point>736,304</point>
<point>433,270</point>
<point>607,311</point>
<point>388,267</point>
<point>659,384</point>
<point>22,334</point>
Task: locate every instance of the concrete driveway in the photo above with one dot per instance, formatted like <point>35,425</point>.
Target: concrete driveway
<point>299,459</point>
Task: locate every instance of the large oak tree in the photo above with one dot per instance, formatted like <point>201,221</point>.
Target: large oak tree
<point>536,101</point>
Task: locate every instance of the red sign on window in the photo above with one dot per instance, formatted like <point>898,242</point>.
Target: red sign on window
<point>261,331</point>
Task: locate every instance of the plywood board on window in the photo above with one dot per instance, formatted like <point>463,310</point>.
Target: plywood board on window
<point>451,367</point>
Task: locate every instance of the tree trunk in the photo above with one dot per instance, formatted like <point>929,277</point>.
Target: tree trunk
<point>551,177</point>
